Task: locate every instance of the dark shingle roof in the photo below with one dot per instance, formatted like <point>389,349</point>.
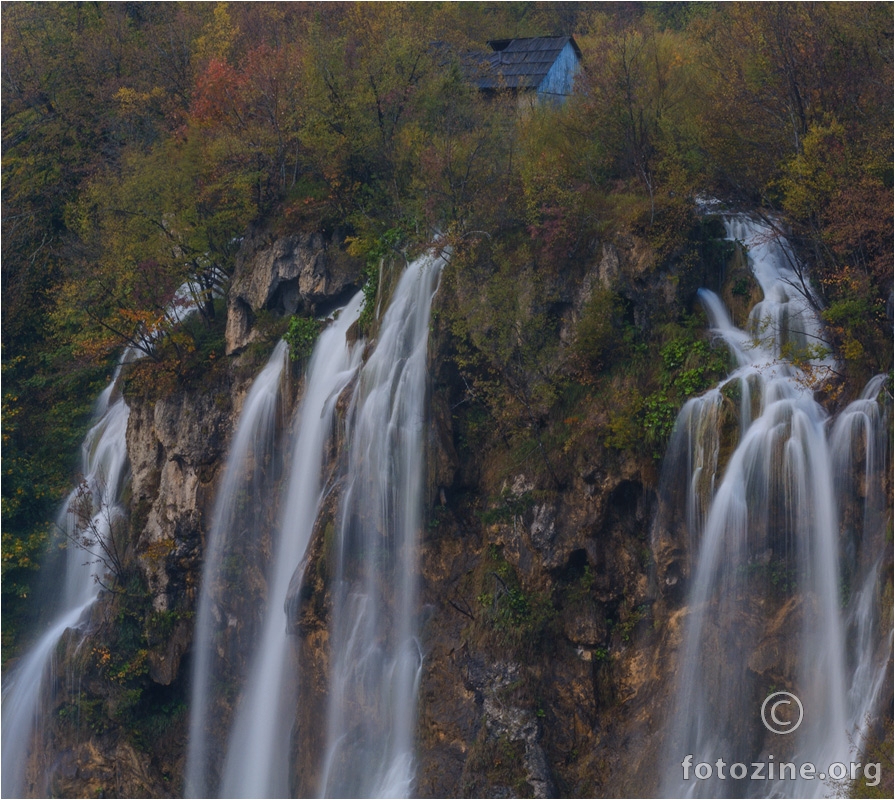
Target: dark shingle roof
<point>520,63</point>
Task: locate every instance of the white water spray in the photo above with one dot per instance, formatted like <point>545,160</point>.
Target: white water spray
<point>87,521</point>
<point>235,542</point>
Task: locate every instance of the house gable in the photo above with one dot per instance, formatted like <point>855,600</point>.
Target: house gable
<point>560,78</point>
<point>546,65</point>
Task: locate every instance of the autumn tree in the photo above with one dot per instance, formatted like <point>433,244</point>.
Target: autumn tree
<point>773,70</point>
<point>835,195</point>
<point>155,236</point>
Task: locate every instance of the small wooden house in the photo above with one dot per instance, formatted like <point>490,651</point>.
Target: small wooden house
<point>540,69</point>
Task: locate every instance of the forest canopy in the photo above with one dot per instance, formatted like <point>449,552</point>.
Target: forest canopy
<point>141,141</point>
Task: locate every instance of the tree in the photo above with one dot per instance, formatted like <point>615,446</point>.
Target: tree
<point>159,234</point>
<point>775,69</point>
<point>834,195</point>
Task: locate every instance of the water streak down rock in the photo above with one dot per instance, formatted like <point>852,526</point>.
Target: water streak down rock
<point>376,657</point>
<point>257,761</point>
<point>88,519</point>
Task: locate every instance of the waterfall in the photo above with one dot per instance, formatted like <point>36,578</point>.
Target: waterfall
<point>375,658</point>
<point>88,516</point>
<point>766,541</point>
<point>257,761</point>
<point>230,571</point>
<point>241,718</point>
<point>87,520</point>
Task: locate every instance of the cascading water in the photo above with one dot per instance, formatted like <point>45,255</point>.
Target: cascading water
<point>230,571</point>
<point>858,445</point>
<point>257,762</point>
<point>246,579</point>
<point>375,655</point>
<point>87,520</point>
<point>763,530</point>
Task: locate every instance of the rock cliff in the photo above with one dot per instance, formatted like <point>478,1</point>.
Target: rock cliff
<point>551,609</point>
<point>305,273</point>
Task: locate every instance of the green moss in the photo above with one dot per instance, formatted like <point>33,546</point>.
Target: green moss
<point>506,507</point>
<point>625,628</point>
<point>160,625</point>
<point>496,767</point>
<point>879,780</point>
<point>375,250</point>
<point>776,576</point>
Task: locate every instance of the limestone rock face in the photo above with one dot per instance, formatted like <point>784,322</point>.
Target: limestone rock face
<point>177,446</point>
<point>547,715</point>
<point>304,273</point>
<point>102,768</point>
<point>564,695</point>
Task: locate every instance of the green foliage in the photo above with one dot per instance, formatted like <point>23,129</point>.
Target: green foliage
<point>147,229</point>
<point>376,251</point>
<point>688,366</point>
<point>831,190</point>
<point>641,96</point>
<point>496,763</point>
<point>191,358</point>
<point>87,713</point>
<point>371,290</point>
<point>506,336</point>
<point>625,629</point>
<point>776,573</point>
<point>131,704</point>
<point>782,69</point>
<point>519,618</point>
<point>875,748</point>
<point>160,625</point>
<point>151,722</point>
<point>800,120</point>
<point>300,336</point>
<point>741,287</point>
<point>47,409</point>
<point>131,168</point>
<point>659,413</point>
<point>732,391</point>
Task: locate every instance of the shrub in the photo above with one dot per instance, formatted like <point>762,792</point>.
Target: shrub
<point>300,337</point>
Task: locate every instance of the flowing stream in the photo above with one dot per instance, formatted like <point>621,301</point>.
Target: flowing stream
<point>782,508</point>
<point>374,653</point>
<point>249,564</point>
<point>782,537</point>
<point>87,521</point>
